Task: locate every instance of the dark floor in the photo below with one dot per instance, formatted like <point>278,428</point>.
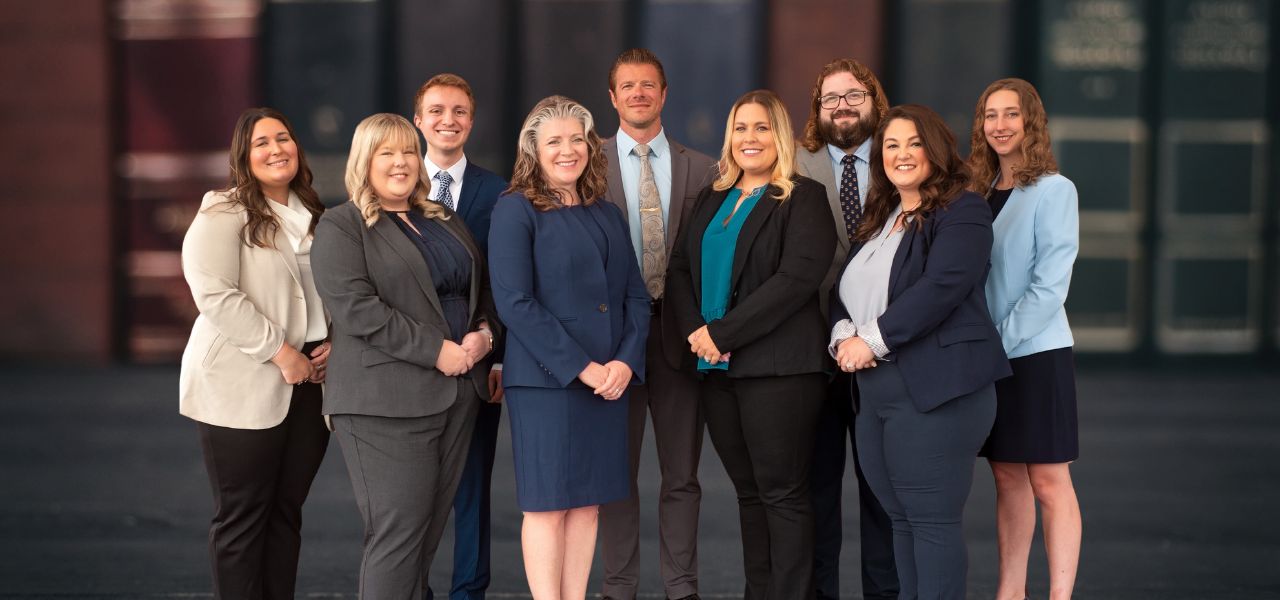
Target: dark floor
<point>104,495</point>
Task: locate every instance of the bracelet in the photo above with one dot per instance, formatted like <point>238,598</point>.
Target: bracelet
<point>488,335</point>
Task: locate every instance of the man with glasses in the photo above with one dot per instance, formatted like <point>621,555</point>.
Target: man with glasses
<point>847,102</point>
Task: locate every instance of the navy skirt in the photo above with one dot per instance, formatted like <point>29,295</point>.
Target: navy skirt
<point>1036,411</point>
<point>570,447</point>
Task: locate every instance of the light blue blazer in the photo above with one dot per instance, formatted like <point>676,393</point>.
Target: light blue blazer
<point>1037,236</point>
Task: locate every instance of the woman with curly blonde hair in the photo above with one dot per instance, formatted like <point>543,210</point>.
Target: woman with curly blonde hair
<point>1034,438</point>
<point>413,325</point>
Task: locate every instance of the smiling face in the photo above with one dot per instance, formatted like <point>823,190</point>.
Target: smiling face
<point>752,142</point>
<point>845,126</point>
<point>905,160</point>
<point>273,158</point>
<point>1002,124</point>
<point>638,95</point>
<point>562,153</point>
<point>393,172</point>
<point>444,118</point>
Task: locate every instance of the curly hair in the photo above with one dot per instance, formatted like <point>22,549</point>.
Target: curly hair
<point>1037,153</point>
<point>947,177</point>
<point>244,190</point>
<point>812,139</point>
<point>527,177</point>
<point>784,169</point>
<point>371,133</point>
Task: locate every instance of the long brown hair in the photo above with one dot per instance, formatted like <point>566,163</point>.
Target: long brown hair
<point>947,178</point>
<point>1037,152</point>
<point>527,177</point>
<point>243,190</point>
<point>812,139</point>
<point>784,169</point>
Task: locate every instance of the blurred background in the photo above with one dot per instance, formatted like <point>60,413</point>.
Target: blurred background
<point>115,118</point>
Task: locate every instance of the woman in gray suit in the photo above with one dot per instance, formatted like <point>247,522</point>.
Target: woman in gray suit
<point>413,326</point>
<point>252,369</point>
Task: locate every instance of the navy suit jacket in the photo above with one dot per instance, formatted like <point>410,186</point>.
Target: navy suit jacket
<point>563,304</point>
<point>480,190</point>
<point>936,325</point>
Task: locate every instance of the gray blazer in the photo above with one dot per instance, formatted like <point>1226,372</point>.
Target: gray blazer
<point>388,325</point>
<point>817,166</point>
<point>690,172</point>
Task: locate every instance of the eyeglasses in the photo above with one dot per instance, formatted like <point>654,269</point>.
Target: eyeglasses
<point>853,98</point>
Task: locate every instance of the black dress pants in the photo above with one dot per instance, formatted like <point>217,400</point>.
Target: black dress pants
<point>835,428</point>
<point>763,428</point>
<point>260,478</point>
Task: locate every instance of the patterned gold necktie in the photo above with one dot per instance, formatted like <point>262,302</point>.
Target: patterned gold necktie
<point>653,238</point>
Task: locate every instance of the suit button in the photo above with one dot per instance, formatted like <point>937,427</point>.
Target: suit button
<point>603,308</point>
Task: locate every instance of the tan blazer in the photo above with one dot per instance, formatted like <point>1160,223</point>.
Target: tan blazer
<point>251,302</point>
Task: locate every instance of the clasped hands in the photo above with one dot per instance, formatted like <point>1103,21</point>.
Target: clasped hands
<point>297,368</point>
<point>608,380</point>
<point>455,359</point>
<point>701,344</point>
<point>853,354</point>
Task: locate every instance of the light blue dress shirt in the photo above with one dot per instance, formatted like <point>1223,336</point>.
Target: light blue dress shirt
<point>861,166</point>
<point>629,165</point>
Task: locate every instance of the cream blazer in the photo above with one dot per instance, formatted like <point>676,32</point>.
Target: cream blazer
<point>251,302</point>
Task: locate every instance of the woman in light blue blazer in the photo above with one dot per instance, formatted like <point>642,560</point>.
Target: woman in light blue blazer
<point>1037,236</point>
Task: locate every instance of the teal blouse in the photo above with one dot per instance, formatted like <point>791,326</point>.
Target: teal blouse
<point>718,244</point>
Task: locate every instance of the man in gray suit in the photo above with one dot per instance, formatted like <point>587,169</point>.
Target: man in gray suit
<point>655,181</point>
<point>846,104</point>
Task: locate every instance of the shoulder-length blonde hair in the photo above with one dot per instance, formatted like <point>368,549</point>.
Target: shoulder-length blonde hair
<point>1037,153</point>
<point>371,133</point>
<point>783,142</point>
<point>527,177</point>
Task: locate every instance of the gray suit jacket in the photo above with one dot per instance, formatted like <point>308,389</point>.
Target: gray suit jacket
<point>817,166</point>
<point>388,325</point>
<point>690,172</point>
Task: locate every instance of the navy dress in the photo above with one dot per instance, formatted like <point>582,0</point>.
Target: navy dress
<point>570,445</point>
<point>450,266</point>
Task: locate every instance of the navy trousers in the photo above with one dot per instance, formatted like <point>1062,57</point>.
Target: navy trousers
<point>471,510</point>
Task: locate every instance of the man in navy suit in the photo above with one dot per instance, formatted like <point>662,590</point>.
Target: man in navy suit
<point>443,111</point>
<point>655,181</point>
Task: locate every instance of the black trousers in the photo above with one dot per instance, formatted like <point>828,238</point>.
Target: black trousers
<point>763,428</point>
<point>260,478</point>
<point>920,466</point>
<point>835,427</point>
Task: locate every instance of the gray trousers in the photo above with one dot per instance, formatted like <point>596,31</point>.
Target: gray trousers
<point>920,467</point>
<point>670,396</point>
<point>404,472</point>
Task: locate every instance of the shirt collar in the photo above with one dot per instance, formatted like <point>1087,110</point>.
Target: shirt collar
<point>863,152</point>
<point>456,171</point>
<point>658,146</point>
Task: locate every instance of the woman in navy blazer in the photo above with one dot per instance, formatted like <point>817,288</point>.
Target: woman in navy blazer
<point>566,283</point>
<point>910,318</point>
<point>1037,236</point>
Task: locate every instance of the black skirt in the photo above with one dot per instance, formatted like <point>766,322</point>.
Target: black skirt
<point>1036,411</point>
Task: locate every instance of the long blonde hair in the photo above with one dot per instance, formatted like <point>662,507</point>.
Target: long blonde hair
<point>783,142</point>
<point>371,133</point>
<point>527,177</point>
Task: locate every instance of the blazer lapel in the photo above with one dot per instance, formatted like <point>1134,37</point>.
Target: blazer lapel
<point>285,250</point>
<point>679,180</point>
<point>391,234</point>
<point>470,187</point>
<point>750,229</point>
<point>698,224</point>
<point>458,229</point>
<point>818,166</point>
<point>906,248</point>
<point>614,178</point>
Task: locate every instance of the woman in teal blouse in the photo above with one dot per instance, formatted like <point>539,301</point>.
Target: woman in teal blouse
<point>743,283</point>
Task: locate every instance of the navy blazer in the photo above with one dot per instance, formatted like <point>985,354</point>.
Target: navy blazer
<point>563,304</point>
<point>480,190</point>
<point>936,325</point>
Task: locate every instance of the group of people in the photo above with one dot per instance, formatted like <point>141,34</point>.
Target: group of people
<point>860,281</point>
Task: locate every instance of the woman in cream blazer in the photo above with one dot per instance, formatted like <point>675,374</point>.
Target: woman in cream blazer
<point>252,369</point>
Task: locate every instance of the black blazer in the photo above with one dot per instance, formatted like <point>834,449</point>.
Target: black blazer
<point>774,325</point>
<point>936,325</point>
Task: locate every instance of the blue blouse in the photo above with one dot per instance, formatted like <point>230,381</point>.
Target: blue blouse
<point>719,242</point>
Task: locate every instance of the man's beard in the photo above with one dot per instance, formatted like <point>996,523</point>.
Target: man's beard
<point>848,136</point>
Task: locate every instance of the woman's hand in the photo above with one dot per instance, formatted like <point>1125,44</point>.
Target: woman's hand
<point>594,375</point>
<point>476,344</point>
<point>453,359</point>
<point>701,344</point>
<point>854,354</point>
<point>294,367</point>
<point>617,381</point>
<point>320,361</point>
